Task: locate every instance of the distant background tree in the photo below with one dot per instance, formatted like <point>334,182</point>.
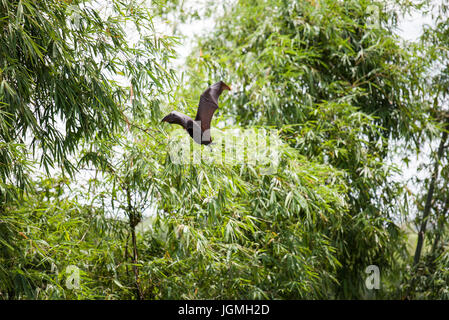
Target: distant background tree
<point>429,275</point>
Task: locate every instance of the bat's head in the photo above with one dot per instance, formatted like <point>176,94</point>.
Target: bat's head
<point>170,118</point>
<point>173,117</point>
<point>224,86</point>
<point>177,118</point>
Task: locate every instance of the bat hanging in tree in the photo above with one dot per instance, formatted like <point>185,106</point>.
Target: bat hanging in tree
<point>199,129</point>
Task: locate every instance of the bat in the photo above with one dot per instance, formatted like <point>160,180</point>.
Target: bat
<point>199,129</point>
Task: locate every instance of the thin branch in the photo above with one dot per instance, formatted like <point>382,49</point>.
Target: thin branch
<point>428,204</point>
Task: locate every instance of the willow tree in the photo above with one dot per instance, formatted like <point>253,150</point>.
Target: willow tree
<point>333,77</point>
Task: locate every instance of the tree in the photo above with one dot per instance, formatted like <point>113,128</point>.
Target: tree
<point>69,74</point>
<point>66,73</point>
<point>298,214</point>
<point>342,91</point>
<point>429,262</point>
<point>49,234</point>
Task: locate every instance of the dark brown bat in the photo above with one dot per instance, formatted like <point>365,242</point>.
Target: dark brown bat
<point>199,129</point>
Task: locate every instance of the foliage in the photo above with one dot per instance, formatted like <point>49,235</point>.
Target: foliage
<point>46,233</point>
<point>428,277</point>
<point>70,73</point>
<point>84,94</point>
<point>342,90</point>
<point>60,66</point>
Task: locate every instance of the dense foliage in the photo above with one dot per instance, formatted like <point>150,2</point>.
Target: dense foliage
<point>341,90</point>
<point>114,215</point>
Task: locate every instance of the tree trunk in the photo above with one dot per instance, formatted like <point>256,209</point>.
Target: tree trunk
<point>427,207</point>
<point>133,221</point>
<point>134,261</point>
<point>440,225</point>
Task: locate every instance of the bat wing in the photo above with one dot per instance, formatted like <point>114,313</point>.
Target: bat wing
<point>209,103</point>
